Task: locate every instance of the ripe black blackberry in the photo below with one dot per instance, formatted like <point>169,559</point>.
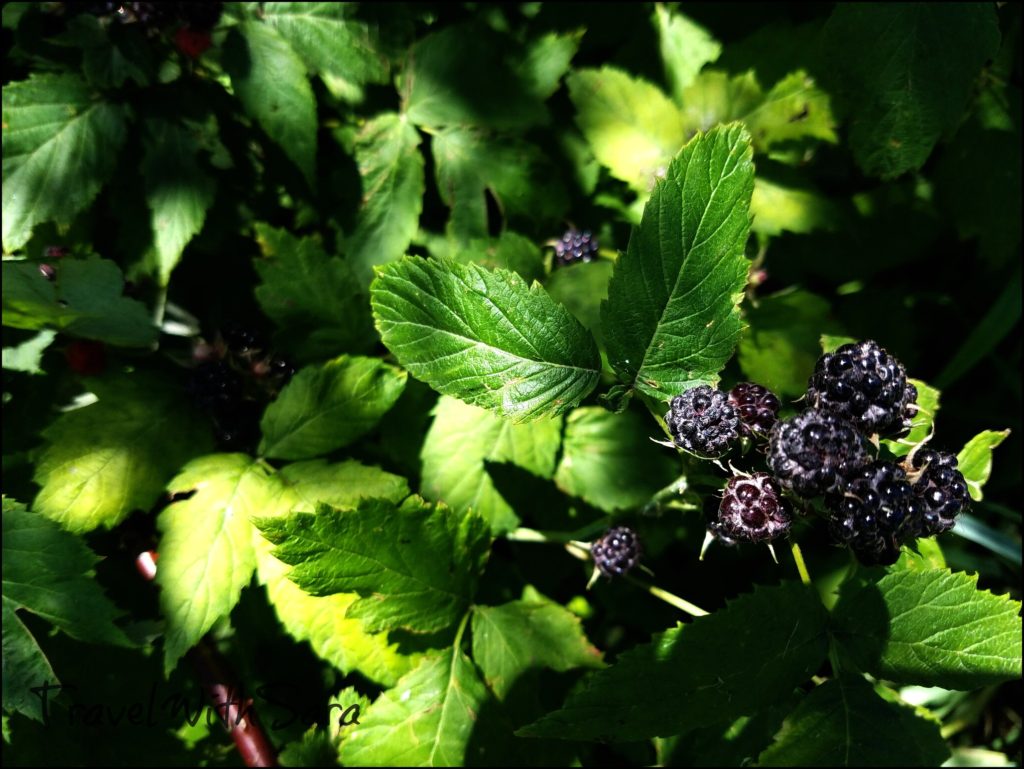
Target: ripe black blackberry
<point>215,384</point>
<point>575,246</point>
<point>813,452</point>
<point>758,408</point>
<point>752,510</point>
<point>940,488</point>
<point>703,421</point>
<point>866,385</point>
<point>617,552</point>
<point>875,513</point>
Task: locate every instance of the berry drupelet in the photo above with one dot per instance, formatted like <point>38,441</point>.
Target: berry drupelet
<point>703,421</point>
<point>814,451</point>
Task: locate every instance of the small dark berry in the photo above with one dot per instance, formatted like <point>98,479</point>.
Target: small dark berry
<point>575,246</point>
<point>214,383</point>
<point>617,551</point>
<point>752,510</point>
<point>703,421</point>
<point>758,408</point>
<point>814,451</point>
<point>866,385</point>
<point>941,490</point>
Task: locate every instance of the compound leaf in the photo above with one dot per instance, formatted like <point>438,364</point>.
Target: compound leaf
<point>484,337</point>
<point>54,125</point>
<point>671,319</point>
<point>734,662</point>
<point>414,566</point>
<point>329,406</point>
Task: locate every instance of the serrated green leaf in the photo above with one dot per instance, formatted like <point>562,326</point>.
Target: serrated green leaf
<point>53,123</point>
<point>975,459</point>
<point>731,663</point>
<point>518,636</point>
<point>508,251</point>
<point>545,60</point>
<point>463,438</point>
<point>178,190</point>
<point>427,719</point>
<point>928,407</point>
<point>716,97</point>
<point>314,299</point>
<point>207,552</point>
<point>329,406</point>
<point>671,320</point>
<point>779,207</point>
<point>415,566</point>
<point>484,337</point>
<point>335,638</point>
<point>114,456</point>
<point>391,166</point>
<point>582,289</point>
<point>844,722</point>
<point>269,79</point>
<point>610,461</point>
<point>781,344</point>
<point>466,75</point>
<point>84,300</point>
<point>633,128</point>
<point>328,40</point>
<point>471,164</point>
<point>915,84</point>
<point>28,355</point>
<point>46,572</point>
<point>930,627</point>
<point>685,48</point>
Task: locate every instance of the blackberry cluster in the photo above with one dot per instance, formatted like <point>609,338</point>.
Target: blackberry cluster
<point>815,452</point>
<point>752,510</point>
<point>198,16</point>
<point>876,512</point>
<point>233,382</point>
<point>575,246</point>
<point>703,421</point>
<point>940,489</point>
<point>758,408</point>
<point>617,552</point>
<point>866,385</point>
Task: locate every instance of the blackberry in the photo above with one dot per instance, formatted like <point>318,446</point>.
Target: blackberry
<point>814,451</point>
<point>703,421</point>
<point>617,551</point>
<point>237,424</point>
<point>243,340</point>
<point>575,246</point>
<point>876,512</point>
<point>757,406</point>
<point>752,510</point>
<point>866,385</point>
<point>941,490</point>
<point>214,384</point>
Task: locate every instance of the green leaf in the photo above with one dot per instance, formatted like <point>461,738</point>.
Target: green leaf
<point>470,165</point>
<point>781,345</point>
<point>328,41</point>
<point>335,638</point>
<point>582,290</point>
<point>207,552</point>
<point>484,337</point>
<point>414,567</point>
<point>734,662</point>
<point>28,355</point>
<point>518,636</point>
<point>269,78</point>
<point>178,191</point>
<point>46,572</point>
<point>671,320</point>
<point>633,128</point>
<point>685,48</point>
<point>784,207</point>
<point>466,75</point>
<point>930,627</point>
<point>107,459</point>
<point>459,443</point>
<point>844,722</point>
<point>391,166</point>
<point>717,97</point>
<point>329,406</point>
<point>609,460</point>
<point>546,60</point>
<point>314,299</point>
<point>928,407</point>
<point>975,459</point>
<point>508,251</point>
<point>916,82</point>
<point>53,123</point>
<point>85,300</point>
<point>427,719</point>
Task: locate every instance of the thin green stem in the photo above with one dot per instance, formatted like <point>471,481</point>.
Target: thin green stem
<point>461,630</point>
<point>670,598</point>
<point>798,558</point>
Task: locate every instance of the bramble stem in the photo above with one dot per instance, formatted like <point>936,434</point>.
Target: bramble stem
<point>670,598</point>
<point>798,558</point>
